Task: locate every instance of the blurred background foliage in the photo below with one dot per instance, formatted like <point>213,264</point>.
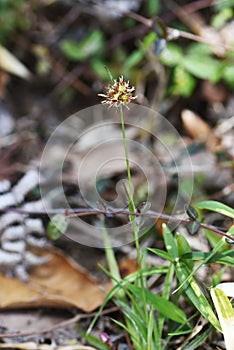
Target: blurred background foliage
<point>67,43</point>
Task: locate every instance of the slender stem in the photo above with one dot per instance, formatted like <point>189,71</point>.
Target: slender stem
<point>126,158</point>
<point>131,207</point>
<point>131,204</point>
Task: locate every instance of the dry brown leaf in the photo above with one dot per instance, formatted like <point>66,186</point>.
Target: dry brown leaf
<point>59,283</point>
<point>35,346</point>
<point>199,130</point>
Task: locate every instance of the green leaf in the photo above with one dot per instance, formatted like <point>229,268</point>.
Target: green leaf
<point>79,51</point>
<point>195,294</point>
<point>153,7</point>
<point>193,227</point>
<point>162,305</point>
<point>134,335</point>
<point>133,59</point>
<point>184,248</point>
<point>182,244</point>
<point>57,226</point>
<point>111,259</point>
<point>199,49</point>
<point>224,303</point>
<point>172,56</point>
<point>213,239</point>
<point>139,323</point>
<point>161,253</point>
<point>203,67</point>
<point>225,312</point>
<point>92,340</point>
<point>195,256</point>
<point>228,74</point>
<point>191,212</point>
<point>222,17</point>
<point>166,294</point>
<point>183,82</point>
<point>150,329</point>
<point>226,258</point>
<point>230,233</point>
<point>148,41</point>
<point>231,230</point>
<point>219,5</point>
<point>217,207</point>
<point>169,241</point>
<point>133,277</point>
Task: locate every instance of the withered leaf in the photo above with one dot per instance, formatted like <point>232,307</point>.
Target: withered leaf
<point>61,282</point>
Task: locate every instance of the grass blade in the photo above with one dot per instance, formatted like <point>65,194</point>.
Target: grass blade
<point>217,207</point>
<point>162,305</point>
<point>225,313</point>
<point>194,293</point>
<point>170,242</point>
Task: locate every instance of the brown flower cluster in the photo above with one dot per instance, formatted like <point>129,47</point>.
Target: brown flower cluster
<point>118,93</point>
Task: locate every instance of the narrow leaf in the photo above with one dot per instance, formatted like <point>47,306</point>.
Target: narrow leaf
<point>195,295</point>
<point>170,242</point>
<point>134,335</point>
<point>225,313</point>
<point>217,207</point>
<point>184,248</point>
<point>226,257</point>
<point>92,339</point>
<point>139,323</point>
<point>110,255</point>
<point>162,305</point>
<point>161,253</point>
<point>231,233</point>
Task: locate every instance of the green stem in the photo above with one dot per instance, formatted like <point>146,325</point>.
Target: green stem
<point>127,158</point>
<point>131,204</point>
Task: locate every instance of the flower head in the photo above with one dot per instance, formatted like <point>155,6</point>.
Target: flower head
<point>118,93</point>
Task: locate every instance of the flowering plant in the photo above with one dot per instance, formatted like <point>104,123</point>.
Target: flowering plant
<point>118,93</point>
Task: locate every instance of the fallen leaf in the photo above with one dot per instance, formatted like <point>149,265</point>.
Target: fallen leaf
<point>199,130</point>
<point>61,282</point>
<point>10,64</point>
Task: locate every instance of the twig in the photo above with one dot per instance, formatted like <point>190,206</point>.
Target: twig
<point>149,23</point>
<point>72,320</point>
<point>109,211</point>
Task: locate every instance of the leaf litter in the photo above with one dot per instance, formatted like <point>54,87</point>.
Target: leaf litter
<point>60,282</point>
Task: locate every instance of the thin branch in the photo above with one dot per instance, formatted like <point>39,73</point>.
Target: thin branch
<point>149,23</point>
<point>109,211</point>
